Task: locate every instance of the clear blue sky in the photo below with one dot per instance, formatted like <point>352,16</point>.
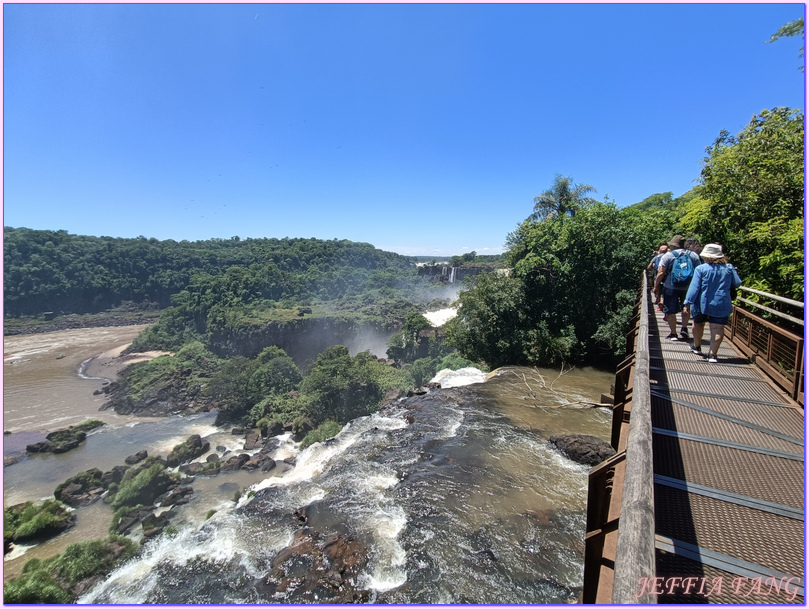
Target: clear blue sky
<point>420,128</point>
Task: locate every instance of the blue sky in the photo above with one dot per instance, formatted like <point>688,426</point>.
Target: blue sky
<point>419,128</point>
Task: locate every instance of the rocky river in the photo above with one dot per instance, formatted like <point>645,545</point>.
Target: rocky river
<point>456,496</point>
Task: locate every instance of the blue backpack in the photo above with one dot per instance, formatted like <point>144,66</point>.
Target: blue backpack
<point>682,270</point>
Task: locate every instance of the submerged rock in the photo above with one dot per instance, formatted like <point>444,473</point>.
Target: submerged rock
<point>584,449</point>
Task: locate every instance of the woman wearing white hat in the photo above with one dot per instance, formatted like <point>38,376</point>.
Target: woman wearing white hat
<point>709,297</point>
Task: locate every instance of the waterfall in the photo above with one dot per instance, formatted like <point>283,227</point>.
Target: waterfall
<point>452,274</point>
<point>451,502</point>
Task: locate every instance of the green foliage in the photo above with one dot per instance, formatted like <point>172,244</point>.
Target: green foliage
<point>492,324</point>
<point>247,390</point>
<point>454,361</point>
<point>422,370</point>
<point>563,198</point>
<point>342,388</point>
<point>324,431</point>
<point>405,345</point>
<point>229,387</point>
<point>209,514</point>
<point>276,373</point>
<point>58,271</point>
<point>29,522</point>
<point>228,307</point>
<point>565,300</point>
<point>35,587</point>
<point>55,580</point>
<point>752,201</point>
<point>143,488</point>
<point>85,559</point>
<point>792,28</point>
<point>185,373</point>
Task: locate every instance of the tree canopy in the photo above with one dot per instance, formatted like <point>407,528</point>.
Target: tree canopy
<point>752,200</point>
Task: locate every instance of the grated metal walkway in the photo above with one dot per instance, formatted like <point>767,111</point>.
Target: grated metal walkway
<point>729,478</point>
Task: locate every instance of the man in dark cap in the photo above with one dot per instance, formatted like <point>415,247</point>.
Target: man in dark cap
<point>674,273</point>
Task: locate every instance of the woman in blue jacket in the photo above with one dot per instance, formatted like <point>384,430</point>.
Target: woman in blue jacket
<point>709,298</point>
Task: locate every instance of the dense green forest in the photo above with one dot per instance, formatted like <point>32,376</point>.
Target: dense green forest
<point>61,272</point>
<point>577,261</point>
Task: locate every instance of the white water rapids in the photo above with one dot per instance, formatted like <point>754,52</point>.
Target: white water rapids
<point>457,496</point>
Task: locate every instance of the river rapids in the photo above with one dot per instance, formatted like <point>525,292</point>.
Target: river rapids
<point>454,497</point>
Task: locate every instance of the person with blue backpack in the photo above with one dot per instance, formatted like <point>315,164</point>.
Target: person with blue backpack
<point>709,298</point>
<point>674,274</point>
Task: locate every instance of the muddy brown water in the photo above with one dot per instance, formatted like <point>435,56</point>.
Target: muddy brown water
<point>492,482</point>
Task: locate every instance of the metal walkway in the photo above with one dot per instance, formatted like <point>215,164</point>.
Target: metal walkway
<point>728,450</point>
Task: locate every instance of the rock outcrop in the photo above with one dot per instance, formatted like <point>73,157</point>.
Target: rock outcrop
<point>192,448</point>
<point>63,440</point>
<point>318,568</point>
<point>584,449</point>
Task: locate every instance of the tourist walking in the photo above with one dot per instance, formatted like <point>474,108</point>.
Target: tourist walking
<point>709,298</point>
<point>653,267</point>
<point>674,274</point>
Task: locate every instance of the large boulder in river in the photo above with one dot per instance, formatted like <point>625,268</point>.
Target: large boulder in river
<point>253,440</point>
<point>317,568</point>
<point>63,440</point>
<point>584,449</point>
<point>192,448</point>
<point>82,489</point>
<point>136,458</point>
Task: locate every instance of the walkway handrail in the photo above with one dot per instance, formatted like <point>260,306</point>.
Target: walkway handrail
<point>636,534</point>
<point>788,301</point>
<point>776,350</point>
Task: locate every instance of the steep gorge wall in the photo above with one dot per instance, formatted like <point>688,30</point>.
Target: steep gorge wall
<point>303,339</point>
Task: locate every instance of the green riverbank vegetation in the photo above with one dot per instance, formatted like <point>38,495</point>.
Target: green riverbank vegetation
<point>577,261</point>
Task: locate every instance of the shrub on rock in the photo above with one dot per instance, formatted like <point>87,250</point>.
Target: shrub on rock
<point>192,448</point>
<point>28,522</point>
<point>143,488</point>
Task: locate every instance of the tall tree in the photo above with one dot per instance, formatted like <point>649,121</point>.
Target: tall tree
<point>752,200</point>
<point>561,199</point>
<point>570,296</point>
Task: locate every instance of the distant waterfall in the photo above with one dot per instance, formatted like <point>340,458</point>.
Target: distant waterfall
<point>449,273</point>
<point>452,275</point>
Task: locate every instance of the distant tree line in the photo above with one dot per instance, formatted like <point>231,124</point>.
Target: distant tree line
<point>61,272</point>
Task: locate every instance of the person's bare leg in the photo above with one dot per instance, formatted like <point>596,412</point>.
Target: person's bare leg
<point>686,317</point>
<point>672,319</point>
<point>717,335</point>
<point>699,330</point>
